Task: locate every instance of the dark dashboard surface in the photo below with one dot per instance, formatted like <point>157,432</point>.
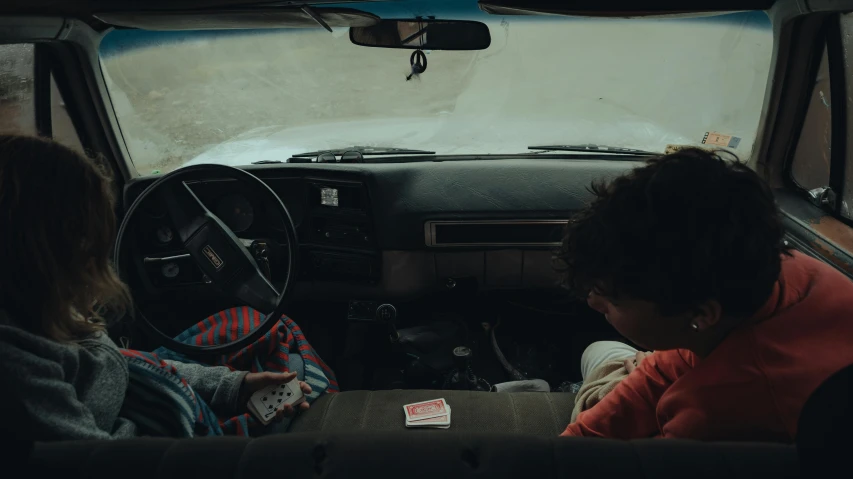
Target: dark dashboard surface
<point>373,242</point>
<point>403,196</point>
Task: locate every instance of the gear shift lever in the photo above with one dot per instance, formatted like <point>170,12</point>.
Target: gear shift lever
<point>387,314</point>
<point>463,377</point>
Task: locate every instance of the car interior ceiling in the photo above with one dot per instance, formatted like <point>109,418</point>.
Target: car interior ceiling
<point>483,288</point>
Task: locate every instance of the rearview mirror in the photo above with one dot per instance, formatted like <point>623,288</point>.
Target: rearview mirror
<point>423,35</point>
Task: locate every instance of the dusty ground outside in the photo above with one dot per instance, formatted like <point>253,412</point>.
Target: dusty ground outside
<point>17,112</point>
<point>193,96</point>
<point>630,83</point>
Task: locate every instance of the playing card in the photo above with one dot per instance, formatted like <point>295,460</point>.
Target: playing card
<point>294,395</point>
<point>260,411</point>
<point>260,417</point>
<point>426,409</point>
<point>260,400</point>
<point>439,422</point>
<point>268,401</point>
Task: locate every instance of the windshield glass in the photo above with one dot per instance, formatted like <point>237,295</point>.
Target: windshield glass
<point>237,97</point>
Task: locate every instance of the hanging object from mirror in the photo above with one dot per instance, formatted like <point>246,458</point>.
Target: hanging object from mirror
<point>418,61</point>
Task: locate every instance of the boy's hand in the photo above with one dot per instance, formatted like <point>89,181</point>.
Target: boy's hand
<point>254,382</point>
<point>632,363</point>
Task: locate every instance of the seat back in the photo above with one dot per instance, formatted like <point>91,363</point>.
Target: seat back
<point>15,428</point>
<point>409,455</point>
<point>825,428</point>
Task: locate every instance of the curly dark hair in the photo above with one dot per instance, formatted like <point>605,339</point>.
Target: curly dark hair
<point>685,228</point>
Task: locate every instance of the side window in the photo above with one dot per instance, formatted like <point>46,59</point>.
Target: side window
<point>810,165</point>
<point>17,99</point>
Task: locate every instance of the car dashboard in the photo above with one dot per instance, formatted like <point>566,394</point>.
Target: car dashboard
<point>383,231</point>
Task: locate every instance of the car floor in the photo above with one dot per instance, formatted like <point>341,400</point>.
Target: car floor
<point>541,334</point>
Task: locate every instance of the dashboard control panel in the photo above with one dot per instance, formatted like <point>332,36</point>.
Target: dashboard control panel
<point>332,218</point>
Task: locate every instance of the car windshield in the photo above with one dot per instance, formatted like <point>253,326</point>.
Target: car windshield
<point>238,97</point>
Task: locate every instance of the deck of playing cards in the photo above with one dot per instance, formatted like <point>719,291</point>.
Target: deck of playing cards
<point>264,404</point>
<point>433,414</point>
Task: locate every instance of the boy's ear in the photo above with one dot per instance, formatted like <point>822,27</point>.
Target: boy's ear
<point>706,315</point>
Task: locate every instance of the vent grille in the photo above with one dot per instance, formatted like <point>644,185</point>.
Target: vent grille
<point>494,233</point>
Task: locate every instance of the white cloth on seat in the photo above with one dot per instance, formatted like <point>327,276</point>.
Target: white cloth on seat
<point>601,352</point>
<point>527,385</point>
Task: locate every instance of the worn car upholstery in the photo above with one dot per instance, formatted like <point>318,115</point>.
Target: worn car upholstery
<point>410,454</point>
<point>362,434</point>
<point>542,414</point>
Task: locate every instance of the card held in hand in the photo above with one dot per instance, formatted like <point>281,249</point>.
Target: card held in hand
<point>264,404</point>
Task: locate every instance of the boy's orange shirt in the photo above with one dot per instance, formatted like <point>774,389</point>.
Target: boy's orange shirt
<point>754,384</point>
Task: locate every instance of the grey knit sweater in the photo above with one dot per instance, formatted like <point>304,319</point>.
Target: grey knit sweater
<point>75,390</point>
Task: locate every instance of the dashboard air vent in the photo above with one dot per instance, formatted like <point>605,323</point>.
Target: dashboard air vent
<point>494,233</point>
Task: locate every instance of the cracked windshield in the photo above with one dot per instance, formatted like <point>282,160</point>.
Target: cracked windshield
<point>238,97</point>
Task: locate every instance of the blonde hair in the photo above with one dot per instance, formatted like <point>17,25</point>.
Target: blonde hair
<point>57,226</point>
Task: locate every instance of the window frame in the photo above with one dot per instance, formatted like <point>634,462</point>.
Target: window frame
<point>829,39</point>
<point>65,63</point>
<point>41,91</point>
<point>838,108</point>
<point>797,158</point>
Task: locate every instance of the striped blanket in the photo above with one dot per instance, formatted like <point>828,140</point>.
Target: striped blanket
<point>162,403</point>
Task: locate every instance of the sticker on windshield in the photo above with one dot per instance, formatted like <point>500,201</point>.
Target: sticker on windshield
<point>716,139</point>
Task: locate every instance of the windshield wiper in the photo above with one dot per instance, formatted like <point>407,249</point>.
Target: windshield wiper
<point>337,155</point>
<point>596,152</point>
<point>613,150</point>
<point>365,150</point>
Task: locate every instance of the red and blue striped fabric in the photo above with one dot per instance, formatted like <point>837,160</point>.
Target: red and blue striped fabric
<point>161,403</point>
<point>271,352</point>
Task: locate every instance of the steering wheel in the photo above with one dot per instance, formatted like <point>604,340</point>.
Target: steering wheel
<point>218,252</point>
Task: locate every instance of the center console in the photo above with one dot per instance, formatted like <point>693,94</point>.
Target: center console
<point>338,242</point>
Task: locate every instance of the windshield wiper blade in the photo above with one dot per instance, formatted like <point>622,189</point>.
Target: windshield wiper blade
<point>365,150</point>
<point>613,150</point>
